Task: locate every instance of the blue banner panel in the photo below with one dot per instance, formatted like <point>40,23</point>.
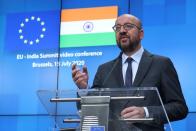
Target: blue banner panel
<point>32,31</point>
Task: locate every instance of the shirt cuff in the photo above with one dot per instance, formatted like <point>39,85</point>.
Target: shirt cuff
<point>146,112</point>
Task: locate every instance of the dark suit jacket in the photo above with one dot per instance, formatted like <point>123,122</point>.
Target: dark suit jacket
<point>153,71</point>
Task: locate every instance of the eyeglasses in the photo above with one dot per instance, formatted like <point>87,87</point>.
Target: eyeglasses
<point>127,27</point>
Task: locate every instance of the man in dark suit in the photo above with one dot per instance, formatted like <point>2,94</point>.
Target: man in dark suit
<point>147,70</point>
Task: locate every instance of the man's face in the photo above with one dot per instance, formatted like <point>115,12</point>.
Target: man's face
<point>128,33</point>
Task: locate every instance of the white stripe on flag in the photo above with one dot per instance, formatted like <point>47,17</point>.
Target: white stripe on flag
<point>77,27</point>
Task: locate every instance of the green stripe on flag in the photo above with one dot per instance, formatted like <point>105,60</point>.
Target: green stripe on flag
<point>93,39</point>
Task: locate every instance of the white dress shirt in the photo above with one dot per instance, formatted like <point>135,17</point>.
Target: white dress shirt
<point>135,63</point>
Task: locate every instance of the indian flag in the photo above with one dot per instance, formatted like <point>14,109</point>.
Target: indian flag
<point>88,26</point>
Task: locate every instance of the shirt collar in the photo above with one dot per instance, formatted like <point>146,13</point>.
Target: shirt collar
<point>136,56</point>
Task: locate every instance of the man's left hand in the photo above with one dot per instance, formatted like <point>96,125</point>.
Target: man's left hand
<point>133,112</point>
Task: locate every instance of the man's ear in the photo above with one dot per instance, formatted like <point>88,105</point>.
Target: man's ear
<point>141,34</point>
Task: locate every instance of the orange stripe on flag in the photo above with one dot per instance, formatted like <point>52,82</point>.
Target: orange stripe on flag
<point>108,12</point>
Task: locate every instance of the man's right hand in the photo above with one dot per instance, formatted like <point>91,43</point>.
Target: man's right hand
<point>80,77</point>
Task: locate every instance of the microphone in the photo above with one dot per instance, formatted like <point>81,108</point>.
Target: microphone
<point>109,74</point>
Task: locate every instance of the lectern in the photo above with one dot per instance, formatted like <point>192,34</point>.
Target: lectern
<point>99,109</point>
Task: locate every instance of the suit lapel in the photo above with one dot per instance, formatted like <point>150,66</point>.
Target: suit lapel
<point>143,68</point>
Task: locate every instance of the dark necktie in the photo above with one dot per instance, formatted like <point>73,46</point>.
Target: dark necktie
<point>128,77</point>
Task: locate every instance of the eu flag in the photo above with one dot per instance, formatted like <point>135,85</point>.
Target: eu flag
<point>32,31</point>
<point>97,128</point>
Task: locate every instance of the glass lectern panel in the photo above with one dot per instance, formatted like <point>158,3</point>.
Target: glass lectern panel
<point>100,109</point>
